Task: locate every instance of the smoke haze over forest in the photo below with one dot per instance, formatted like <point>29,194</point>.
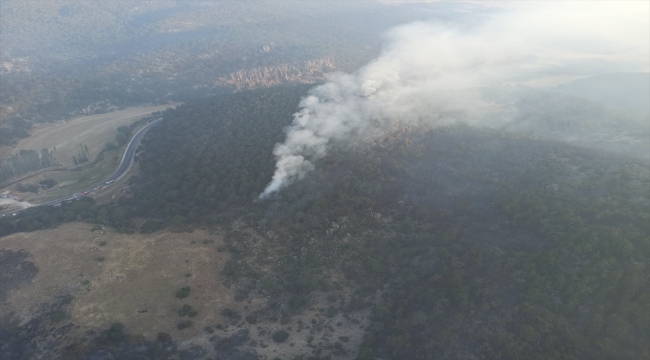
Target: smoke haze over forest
<point>432,73</point>
<point>324,180</point>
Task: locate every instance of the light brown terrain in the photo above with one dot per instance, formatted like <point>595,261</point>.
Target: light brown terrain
<point>115,277</point>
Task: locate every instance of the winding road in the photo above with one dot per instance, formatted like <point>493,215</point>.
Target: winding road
<point>125,165</point>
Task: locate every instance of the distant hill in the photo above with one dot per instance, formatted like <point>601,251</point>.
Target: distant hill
<point>629,91</point>
<point>133,52</point>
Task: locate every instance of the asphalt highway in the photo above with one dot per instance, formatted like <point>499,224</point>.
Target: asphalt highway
<point>125,165</point>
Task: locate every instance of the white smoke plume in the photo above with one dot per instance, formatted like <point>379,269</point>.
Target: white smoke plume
<point>430,72</point>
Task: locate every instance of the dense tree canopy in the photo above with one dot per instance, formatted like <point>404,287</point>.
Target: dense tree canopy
<point>213,155</point>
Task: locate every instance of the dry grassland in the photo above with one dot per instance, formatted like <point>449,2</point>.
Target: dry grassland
<point>138,272</point>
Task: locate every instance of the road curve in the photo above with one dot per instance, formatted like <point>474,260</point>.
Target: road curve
<point>125,165</point>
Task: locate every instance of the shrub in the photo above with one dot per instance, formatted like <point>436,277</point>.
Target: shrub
<point>280,336</point>
<point>151,226</point>
<point>57,316</point>
<point>230,314</point>
<point>163,337</point>
<point>28,188</point>
<point>113,334</point>
<point>184,325</point>
<point>251,319</point>
<point>183,292</point>
<point>184,310</point>
<point>48,183</point>
<point>109,146</point>
<point>187,310</point>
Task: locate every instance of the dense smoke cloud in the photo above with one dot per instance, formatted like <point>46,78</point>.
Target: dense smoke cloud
<point>430,72</point>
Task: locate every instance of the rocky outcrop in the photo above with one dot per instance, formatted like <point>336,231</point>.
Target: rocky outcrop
<point>307,72</point>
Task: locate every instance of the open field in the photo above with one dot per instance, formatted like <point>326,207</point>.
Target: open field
<point>93,131</point>
<point>138,272</point>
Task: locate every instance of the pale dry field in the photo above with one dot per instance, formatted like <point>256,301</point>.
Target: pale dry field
<point>138,272</point>
<point>93,131</point>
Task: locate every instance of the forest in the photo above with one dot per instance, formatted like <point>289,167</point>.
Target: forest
<point>484,243</point>
<point>462,242</point>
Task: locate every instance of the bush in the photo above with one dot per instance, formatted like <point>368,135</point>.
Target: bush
<point>184,325</point>
<point>48,183</point>
<point>28,188</point>
<point>57,316</point>
<point>109,146</point>
<point>187,310</point>
<point>251,319</point>
<point>183,292</point>
<point>280,336</point>
<point>230,314</point>
<point>113,334</point>
<point>151,226</point>
<point>163,337</point>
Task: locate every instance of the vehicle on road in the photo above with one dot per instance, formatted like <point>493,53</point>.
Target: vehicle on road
<point>121,170</point>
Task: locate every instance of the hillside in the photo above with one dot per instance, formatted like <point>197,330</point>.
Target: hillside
<point>425,242</point>
<point>413,225</point>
